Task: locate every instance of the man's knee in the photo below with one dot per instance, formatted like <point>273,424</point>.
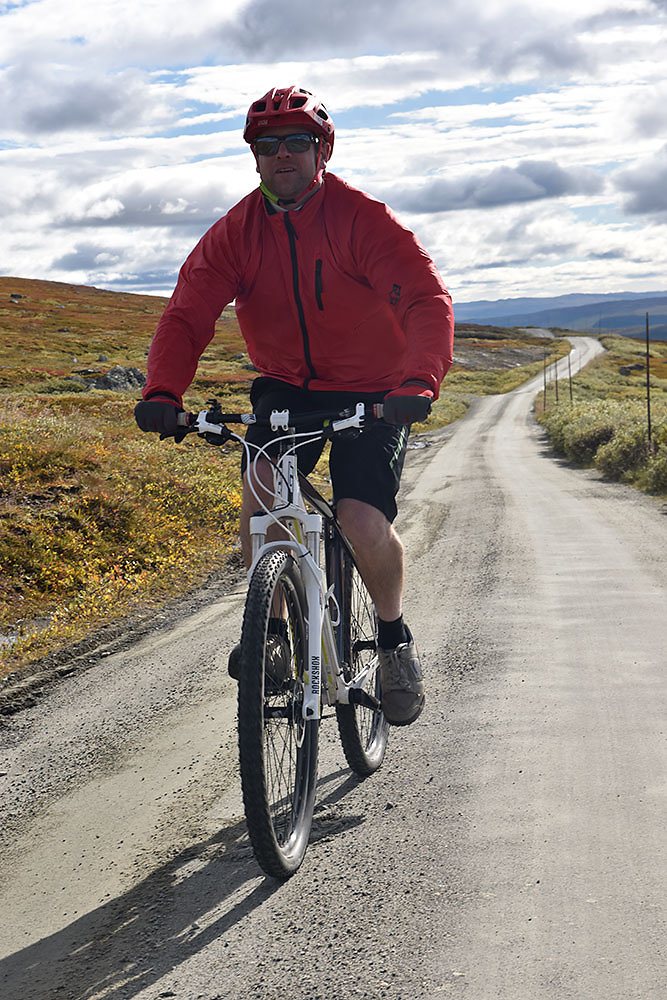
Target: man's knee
<point>363,523</point>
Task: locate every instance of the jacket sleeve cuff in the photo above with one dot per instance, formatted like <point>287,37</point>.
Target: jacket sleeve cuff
<point>418,381</point>
<point>162,395</point>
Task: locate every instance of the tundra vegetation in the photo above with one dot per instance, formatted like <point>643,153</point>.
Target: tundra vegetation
<point>99,521</point>
<point>605,422</point>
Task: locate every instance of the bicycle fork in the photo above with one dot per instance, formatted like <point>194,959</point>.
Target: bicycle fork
<point>321,652</point>
<point>324,681</point>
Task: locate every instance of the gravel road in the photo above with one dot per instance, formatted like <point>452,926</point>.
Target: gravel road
<point>512,847</point>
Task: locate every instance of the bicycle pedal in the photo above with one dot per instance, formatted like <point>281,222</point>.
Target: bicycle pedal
<point>362,644</point>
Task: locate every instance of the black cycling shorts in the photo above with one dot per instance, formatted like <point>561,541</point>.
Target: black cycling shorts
<point>367,467</point>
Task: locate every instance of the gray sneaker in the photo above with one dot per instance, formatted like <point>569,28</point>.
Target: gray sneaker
<point>402,683</point>
<point>234,662</point>
<point>278,666</point>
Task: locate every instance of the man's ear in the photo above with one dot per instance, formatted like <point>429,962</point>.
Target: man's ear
<point>326,150</point>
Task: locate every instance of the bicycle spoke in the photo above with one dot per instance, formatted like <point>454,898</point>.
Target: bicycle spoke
<point>362,726</point>
<point>278,749</point>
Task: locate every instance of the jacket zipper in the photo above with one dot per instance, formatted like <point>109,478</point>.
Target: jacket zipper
<point>292,237</point>
<point>318,284</point>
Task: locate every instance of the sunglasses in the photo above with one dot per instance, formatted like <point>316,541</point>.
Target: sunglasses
<point>299,142</point>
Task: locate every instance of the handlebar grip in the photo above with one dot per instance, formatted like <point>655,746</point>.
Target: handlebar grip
<point>184,419</point>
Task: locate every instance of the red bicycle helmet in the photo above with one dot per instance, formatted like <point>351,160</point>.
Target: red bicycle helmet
<point>289,106</point>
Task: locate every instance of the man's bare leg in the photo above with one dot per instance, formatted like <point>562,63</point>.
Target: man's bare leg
<point>379,554</point>
<point>377,548</point>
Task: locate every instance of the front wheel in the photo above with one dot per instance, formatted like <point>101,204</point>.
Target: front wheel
<point>277,747</point>
<point>363,730</point>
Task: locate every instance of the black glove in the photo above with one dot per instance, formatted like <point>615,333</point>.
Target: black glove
<point>409,404</point>
<point>158,416</point>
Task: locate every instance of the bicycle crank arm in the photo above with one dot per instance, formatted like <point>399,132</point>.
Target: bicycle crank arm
<point>362,644</point>
<point>358,696</point>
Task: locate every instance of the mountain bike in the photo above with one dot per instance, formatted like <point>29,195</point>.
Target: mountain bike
<point>308,639</point>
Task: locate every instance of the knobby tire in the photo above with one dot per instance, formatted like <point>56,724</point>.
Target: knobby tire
<point>277,747</point>
<point>363,731</point>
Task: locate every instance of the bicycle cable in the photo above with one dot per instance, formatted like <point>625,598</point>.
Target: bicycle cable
<point>309,437</point>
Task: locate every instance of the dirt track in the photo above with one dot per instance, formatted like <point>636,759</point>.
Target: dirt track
<point>512,847</point>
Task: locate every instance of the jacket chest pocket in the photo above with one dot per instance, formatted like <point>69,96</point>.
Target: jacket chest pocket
<point>318,284</point>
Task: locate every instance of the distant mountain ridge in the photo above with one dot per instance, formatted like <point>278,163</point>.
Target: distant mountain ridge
<point>617,312</point>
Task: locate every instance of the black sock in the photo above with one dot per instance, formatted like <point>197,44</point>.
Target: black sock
<point>391,634</point>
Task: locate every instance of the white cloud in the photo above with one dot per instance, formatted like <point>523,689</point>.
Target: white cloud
<point>531,180</point>
<point>109,33</point>
<point>649,117</point>
<point>541,125</point>
<point>193,195</point>
<point>645,186</point>
<point>42,101</point>
<point>547,249</point>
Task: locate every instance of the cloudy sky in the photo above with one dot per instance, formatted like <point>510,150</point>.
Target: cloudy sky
<point>524,142</point>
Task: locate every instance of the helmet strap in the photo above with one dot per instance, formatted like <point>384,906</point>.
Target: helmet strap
<point>268,194</point>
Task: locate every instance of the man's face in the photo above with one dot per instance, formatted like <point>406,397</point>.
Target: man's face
<point>287,174</point>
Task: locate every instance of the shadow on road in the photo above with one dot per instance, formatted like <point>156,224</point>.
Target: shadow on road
<point>131,942</point>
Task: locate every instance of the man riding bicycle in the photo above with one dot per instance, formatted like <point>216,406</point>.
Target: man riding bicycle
<point>337,303</point>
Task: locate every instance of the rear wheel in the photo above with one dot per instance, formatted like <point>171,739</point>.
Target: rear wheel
<point>277,747</point>
<point>363,729</point>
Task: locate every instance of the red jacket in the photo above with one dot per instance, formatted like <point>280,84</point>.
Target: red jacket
<point>335,296</point>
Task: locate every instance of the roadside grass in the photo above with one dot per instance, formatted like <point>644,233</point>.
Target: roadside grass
<point>98,520</point>
<point>462,385</point>
<point>498,381</point>
<point>605,425</point>
<point>93,519</point>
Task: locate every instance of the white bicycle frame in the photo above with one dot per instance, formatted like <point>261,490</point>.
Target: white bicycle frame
<point>324,683</point>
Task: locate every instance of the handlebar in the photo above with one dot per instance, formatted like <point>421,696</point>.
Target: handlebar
<point>214,421</point>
